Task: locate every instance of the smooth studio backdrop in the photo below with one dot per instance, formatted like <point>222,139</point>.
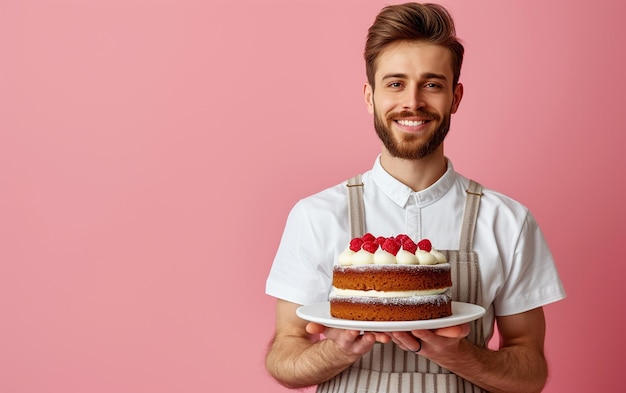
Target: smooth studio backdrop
<point>150,152</point>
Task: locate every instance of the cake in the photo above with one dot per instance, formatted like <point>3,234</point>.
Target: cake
<point>390,279</point>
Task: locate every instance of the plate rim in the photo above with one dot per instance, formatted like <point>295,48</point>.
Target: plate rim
<point>475,312</point>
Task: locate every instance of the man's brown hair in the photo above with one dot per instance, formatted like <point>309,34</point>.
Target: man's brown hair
<point>430,23</point>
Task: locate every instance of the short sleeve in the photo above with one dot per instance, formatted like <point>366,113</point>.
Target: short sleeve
<point>298,273</point>
<point>532,279</point>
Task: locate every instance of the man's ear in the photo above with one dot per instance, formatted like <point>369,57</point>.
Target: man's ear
<point>368,96</point>
<point>458,95</point>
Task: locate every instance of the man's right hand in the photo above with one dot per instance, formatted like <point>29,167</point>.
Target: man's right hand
<point>349,341</point>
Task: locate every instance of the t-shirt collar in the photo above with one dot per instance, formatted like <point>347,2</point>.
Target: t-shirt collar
<point>399,193</point>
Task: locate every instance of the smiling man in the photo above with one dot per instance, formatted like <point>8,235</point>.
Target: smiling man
<point>418,102</point>
<point>413,63</point>
<point>414,98</point>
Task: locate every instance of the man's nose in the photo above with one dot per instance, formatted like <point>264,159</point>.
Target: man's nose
<point>413,99</point>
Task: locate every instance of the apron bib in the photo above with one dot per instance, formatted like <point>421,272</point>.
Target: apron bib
<point>387,368</point>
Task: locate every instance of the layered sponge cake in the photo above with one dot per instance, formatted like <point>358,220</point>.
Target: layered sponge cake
<point>390,279</point>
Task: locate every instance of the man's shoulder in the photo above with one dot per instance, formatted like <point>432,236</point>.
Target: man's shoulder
<point>333,195</point>
<point>329,200</point>
<point>499,204</point>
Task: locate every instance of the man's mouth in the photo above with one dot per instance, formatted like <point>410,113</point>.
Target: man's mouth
<point>411,123</point>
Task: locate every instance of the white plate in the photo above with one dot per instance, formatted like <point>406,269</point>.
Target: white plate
<point>320,313</point>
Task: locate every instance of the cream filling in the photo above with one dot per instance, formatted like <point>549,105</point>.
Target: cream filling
<point>382,294</point>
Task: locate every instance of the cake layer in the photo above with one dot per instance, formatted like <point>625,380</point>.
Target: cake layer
<point>352,292</point>
<point>391,309</point>
<point>392,277</point>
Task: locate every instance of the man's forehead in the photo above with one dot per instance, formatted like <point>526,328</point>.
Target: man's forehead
<point>407,57</point>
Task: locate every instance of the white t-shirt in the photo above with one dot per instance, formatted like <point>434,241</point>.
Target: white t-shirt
<point>517,269</point>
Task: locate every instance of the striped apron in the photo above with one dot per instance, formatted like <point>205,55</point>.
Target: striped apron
<point>387,368</point>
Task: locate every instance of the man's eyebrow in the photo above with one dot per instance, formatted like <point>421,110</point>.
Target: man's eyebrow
<point>435,76</point>
<point>428,75</point>
<point>394,76</point>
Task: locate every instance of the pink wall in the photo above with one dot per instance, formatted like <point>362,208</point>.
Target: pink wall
<point>151,150</point>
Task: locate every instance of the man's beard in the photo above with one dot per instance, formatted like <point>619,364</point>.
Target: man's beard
<point>407,148</point>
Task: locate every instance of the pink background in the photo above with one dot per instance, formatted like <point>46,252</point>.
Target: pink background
<point>151,150</point>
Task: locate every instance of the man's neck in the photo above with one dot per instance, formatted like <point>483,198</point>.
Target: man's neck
<point>415,174</point>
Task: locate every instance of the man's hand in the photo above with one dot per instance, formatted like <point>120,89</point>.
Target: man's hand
<point>349,341</point>
<point>432,341</point>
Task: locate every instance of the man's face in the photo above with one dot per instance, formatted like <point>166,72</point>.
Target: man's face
<point>413,98</point>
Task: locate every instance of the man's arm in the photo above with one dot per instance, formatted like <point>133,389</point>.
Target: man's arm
<point>297,357</point>
<point>518,365</point>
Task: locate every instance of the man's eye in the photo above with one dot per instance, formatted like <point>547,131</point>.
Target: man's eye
<point>395,84</point>
<point>432,85</point>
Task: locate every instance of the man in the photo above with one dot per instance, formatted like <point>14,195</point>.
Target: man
<point>413,63</point>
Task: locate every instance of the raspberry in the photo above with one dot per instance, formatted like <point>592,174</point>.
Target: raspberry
<point>355,244</point>
<point>401,238</point>
<point>368,237</point>
<point>425,245</point>
<point>370,246</point>
<point>409,245</point>
<point>380,240</point>
<point>391,245</point>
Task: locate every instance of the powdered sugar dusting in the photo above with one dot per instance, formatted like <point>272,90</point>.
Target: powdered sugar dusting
<point>413,300</point>
<point>377,268</point>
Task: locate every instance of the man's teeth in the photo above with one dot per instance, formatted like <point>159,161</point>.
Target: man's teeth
<point>411,123</point>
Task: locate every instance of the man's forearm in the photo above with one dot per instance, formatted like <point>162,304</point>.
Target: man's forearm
<point>295,362</point>
<point>511,369</point>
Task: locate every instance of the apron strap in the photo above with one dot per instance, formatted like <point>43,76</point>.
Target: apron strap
<point>470,214</point>
<point>355,207</point>
<point>472,202</point>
